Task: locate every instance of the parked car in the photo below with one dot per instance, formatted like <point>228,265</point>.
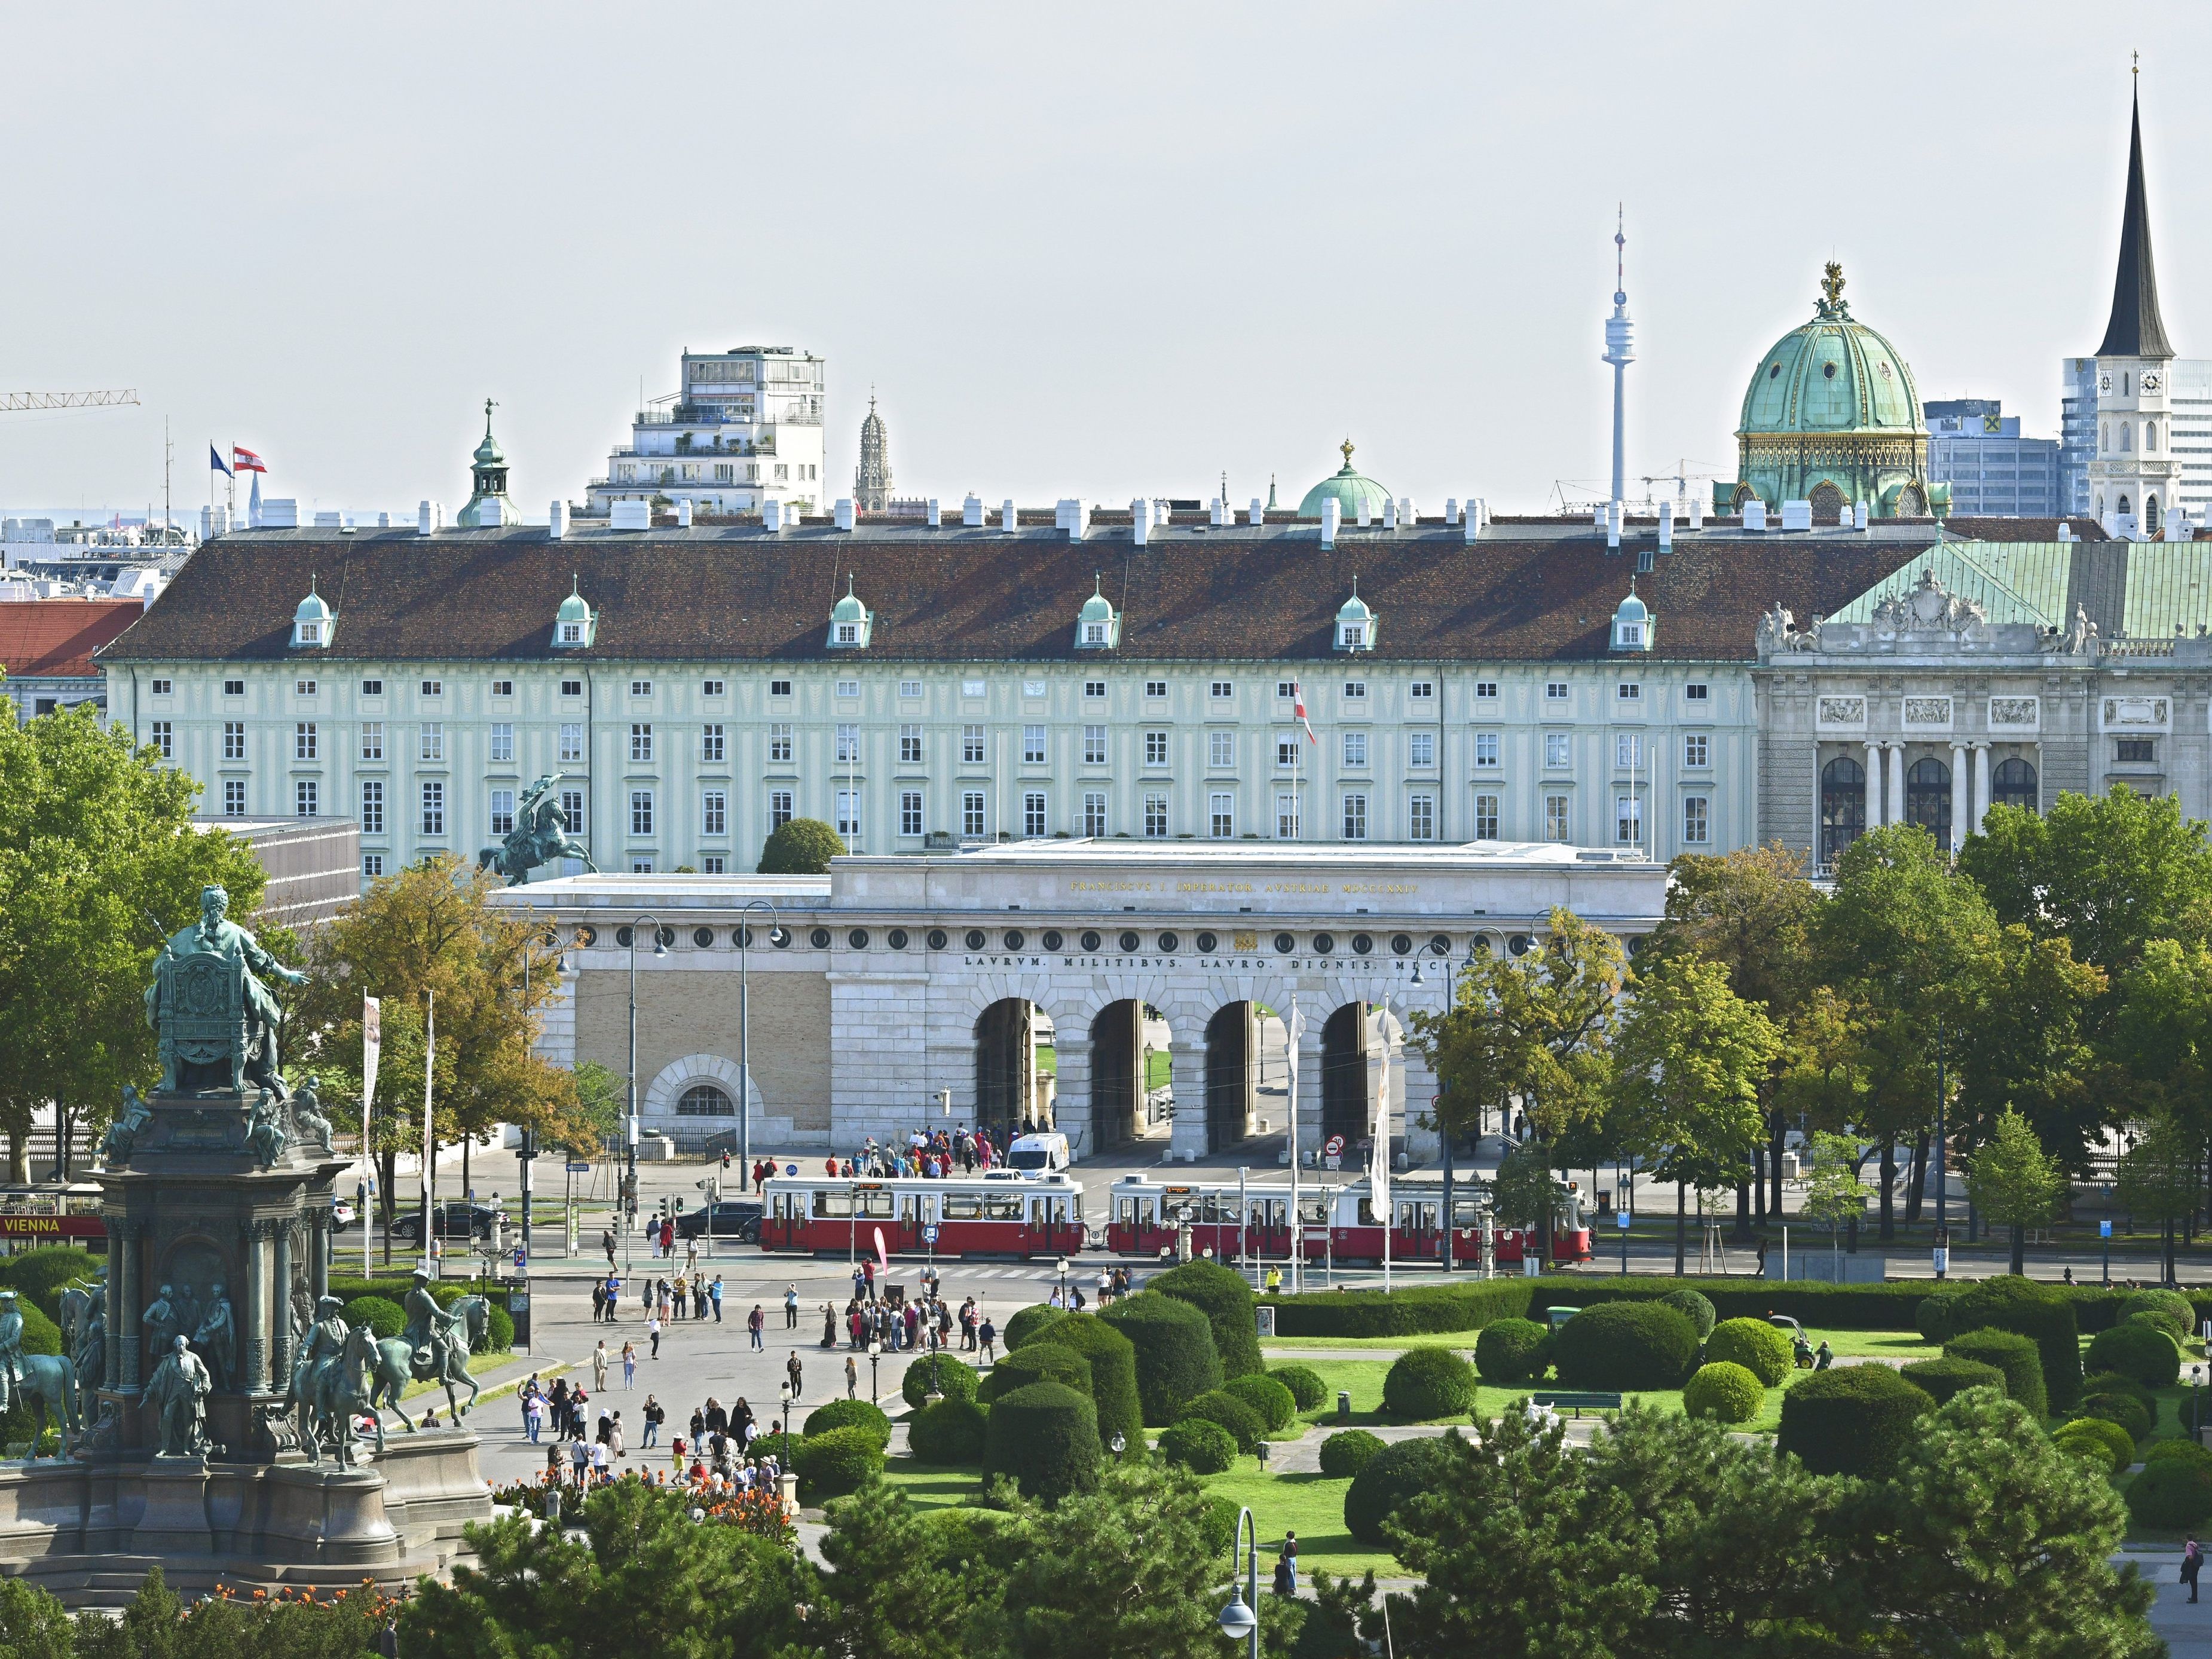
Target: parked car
<point>457,1218</point>
<point>732,1217</point>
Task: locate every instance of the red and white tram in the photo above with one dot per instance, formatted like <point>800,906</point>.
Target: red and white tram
<point>1337,1223</point>
<point>1000,1214</point>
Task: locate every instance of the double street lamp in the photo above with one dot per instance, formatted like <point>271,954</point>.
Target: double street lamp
<point>629,1180</point>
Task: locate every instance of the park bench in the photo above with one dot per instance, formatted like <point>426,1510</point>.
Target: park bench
<point>1579,1402</point>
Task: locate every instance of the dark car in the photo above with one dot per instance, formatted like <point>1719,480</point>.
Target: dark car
<point>456,1219</point>
<point>733,1217</point>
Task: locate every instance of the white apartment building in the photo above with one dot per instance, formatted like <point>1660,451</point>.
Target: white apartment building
<point>743,429</point>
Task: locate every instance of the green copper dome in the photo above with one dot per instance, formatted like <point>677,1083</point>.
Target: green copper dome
<point>1350,490</point>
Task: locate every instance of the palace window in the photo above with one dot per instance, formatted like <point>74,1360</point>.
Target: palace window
<point>1559,818</point>
<point>710,743</point>
<point>909,745</point>
<point>234,798</point>
<point>1355,816</point>
<point>572,741</point>
<point>1220,750</point>
<point>1156,818</point>
<point>971,745</point>
<point>714,813</point>
<point>502,742</point>
<point>971,812</point>
<point>640,811</point>
<point>909,812</point>
<point>1421,748</point>
<point>503,811</point>
<point>640,742</point>
<point>1421,814</point>
<point>430,744</point>
<point>1156,749</point>
<point>1697,749</point>
<point>779,743</point>
<point>1697,821</point>
<point>306,746</point>
<point>372,805</point>
<point>779,809</point>
<point>433,807</point>
<point>234,740</point>
<point>1094,812</point>
<point>1221,814</point>
<point>1486,819</point>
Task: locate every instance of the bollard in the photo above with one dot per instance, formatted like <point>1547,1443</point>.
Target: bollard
<point>1344,1405</point>
<point>553,1509</point>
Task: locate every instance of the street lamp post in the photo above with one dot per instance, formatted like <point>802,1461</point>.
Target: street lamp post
<point>2196,1400</point>
<point>875,1359</point>
<point>744,1037</point>
<point>630,1181</point>
<point>1240,1619</point>
<point>1063,1281</point>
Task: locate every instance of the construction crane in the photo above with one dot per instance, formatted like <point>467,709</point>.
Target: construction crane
<point>9,400</point>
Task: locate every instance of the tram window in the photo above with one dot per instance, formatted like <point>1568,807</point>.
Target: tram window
<point>962,1206</point>
<point>1314,1211</point>
<point>877,1206</point>
<point>1078,1211</point>
<point>837,1206</point>
<point>1002,1207</point>
<point>1466,1212</point>
<point>1367,1214</point>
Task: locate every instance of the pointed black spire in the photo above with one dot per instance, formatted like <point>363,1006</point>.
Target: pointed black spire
<point>2136,330</point>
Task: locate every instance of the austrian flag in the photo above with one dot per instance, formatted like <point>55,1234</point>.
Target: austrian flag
<point>1298,701</point>
<point>245,460</point>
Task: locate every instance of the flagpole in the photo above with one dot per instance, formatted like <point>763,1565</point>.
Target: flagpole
<point>430,1148</point>
<point>1292,1032</point>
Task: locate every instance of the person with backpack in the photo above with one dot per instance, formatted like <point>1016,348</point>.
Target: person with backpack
<point>2193,1561</point>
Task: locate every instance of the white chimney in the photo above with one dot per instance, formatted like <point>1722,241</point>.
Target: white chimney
<point>1365,515</point>
<point>1471,520</point>
<point>625,515</point>
<point>1697,511</point>
<point>1597,516</point>
<point>1754,515</point>
<point>1407,514</point>
<point>1259,511</point>
<point>1797,515</point>
<point>971,510</point>
<point>1224,514</point>
<point>1075,518</point>
<point>2065,531</point>
<point>933,514</point>
<point>1140,520</point>
<point>1452,509</point>
<point>1332,518</point>
<point>1859,516</point>
<point>845,517</point>
<point>1009,521</point>
<point>557,522</point>
<point>1612,518</point>
<point>1389,513</point>
<point>683,514</point>
<point>1666,526</point>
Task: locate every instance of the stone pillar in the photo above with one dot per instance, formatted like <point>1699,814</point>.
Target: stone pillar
<point>317,1221</point>
<point>280,1328</point>
<point>126,1335</point>
<point>1961,802</point>
<point>1981,808</point>
<point>254,1234</point>
<point>1896,784</point>
<point>115,1364</point>
<point>1186,1077</point>
<point>1873,786</point>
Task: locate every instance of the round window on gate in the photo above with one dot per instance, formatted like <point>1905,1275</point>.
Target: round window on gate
<point>895,939</point>
<point>819,939</point>
<point>1285,945</point>
<point>858,938</point>
<point>1363,944</point>
<point>1168,944</point>
<point>1206,942</point>
<point>1401,944</point>
<point>587,937</point>
<point>623,937</point>
<point>1440,945</point>
<point>702,937</point>
<point>1520,944</point>
<point>1090,941</point>
<point>780,938</point>
<point>975,938</point>
<point>938,939</point>
<point>1015,938</point>
<point>1053,938</point>
<point>1323,943</point>
<point>1128,943</point>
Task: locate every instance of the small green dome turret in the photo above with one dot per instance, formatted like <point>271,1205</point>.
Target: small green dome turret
<point>575,624</point>
<point>1353,493</point>
<point>1356,623</point>
<point>1632,623</point>
<point>851,623</point>
<point>314,622</point>
<point>1098,627</point>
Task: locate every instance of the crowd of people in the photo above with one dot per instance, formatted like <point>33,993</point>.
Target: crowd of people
<point>929,1154</point>
<point>716,1453</point>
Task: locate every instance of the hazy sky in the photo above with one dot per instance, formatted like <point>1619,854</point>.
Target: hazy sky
<point>1093,250</point>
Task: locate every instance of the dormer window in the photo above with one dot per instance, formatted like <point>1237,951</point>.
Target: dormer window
<point>575,624</point>
<point>1631,624</point>
<point>1355,624</point>
<point>572,633</point>
<point>848,633</point>
<point>313,623</point>
<point>851,623</point>
<point>1098,625</point>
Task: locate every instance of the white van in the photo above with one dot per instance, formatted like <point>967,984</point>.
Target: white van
<point>1038,1154</point>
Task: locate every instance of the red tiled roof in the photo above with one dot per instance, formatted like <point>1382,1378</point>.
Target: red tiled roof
<point>58,637</point>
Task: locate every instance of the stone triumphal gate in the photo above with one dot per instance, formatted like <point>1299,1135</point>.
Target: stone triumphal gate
<point>1045,981</point>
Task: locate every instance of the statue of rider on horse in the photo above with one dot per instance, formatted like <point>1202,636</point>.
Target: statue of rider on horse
<point>539,836</point>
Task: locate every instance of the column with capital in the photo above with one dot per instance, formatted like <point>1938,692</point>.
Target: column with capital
<point>254,1234</point>
<point>280,1327</point>
<point>1981,809</point>
<point>1896,784</point>
<point>127,1375</point>
<point>1961,804</point>
<point>1873,786</point>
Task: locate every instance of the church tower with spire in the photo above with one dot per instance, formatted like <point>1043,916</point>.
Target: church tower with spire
<point>872,482</point>
<point>2134,481</point>
<point>489,506</point>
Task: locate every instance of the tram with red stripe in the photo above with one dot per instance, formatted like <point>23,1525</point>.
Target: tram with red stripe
<point>1001,1214</point>
<point>1337,1223</point>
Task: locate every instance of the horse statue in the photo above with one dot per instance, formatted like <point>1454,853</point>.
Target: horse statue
<point>50,1379</point>
<point>395,1370</point>
<point>540,836</point>
<point>339,1390</point>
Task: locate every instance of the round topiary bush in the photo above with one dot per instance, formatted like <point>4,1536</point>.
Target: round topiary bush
<point>1199,1444</point>
<point>948,1431</point>
<point>1113,1360</point>
<point>1246,1426</point>
<point>2143,1351</point>
<point>1391,1476</point>
<point>836,1461</point>
<point>2170,1308</point>
<point>1305,1385</point>
<point>1425,1383</point>
<point>1754,1344</point>
<point>1045,1437</point>
<point>498,1329</point>
<point>1217,1526</point>
<point>2093,1440</point>
<point>2114,1382</point>
<point>1854,1421</point>
<point>2124,1409</point>
<point>1223,1296</point>
<point>1347,1451</point>
<point>801,847</point>
<point>849,1414</point>
<point>1934,1317</point>
<point>384,1316</point>
<point>1696,1306</point>
<point>1040,1362</point>
<point>2170,1494</point>
<point>2018,1356</point>
<point>2042,1313</point>
<point>1942,1379</point>
<point>1510,1350</point>
<point>1625,1345</point>
<point>1724,1391</point>
<point>1265,1396</point>
<point>954,1380</point>
<point>2186,1451</point>
<point>1027,1324</point>
<point>1176,1360</point>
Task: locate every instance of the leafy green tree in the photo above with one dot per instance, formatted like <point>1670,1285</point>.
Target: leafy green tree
<point>2014,1181</point>
<point>2157,1177</point>
<point>2018,1036</point>
<point>647,1579</point>
<point>1525,1190</point>
<point>602,1099</point>
<point>32,1624</point>
<point>99,861</point>
<point>1833,1194</point>
<point>801,847</point>
<point>1688,1063</point>
<point>902,1581</point>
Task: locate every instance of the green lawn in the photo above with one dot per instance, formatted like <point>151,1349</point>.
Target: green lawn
<point>931,1486</point>
<point>1312,1506</point>
<point>1900,1345</point>
<point>1364,1379</point>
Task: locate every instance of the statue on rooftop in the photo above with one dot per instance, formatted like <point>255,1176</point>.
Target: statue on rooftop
<point>540,836</point>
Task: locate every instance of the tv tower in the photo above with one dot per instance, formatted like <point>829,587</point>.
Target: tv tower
<point>1620,351</point>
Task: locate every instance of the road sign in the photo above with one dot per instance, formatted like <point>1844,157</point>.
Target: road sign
<point>929,1232</point>
<point>522,1260</point>
<point>1334,1146</point>
<point>576,1166</point>
<point>2103,1230</point>
<point>791,1169</point>
<point>1622,1216</point>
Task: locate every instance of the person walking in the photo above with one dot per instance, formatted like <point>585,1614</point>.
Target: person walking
<point>791,1366</point>
<point>580,1460</point>
<point>533,1415</point>
<point>607,1244</point>
<point>987,1335</point>
<point>615,1437</point>
<point>790,1307</point>
<point>714,1295</point>
<point>2192,1562</point>
<point>653,1330</point>
<point>599,1365</point>
<point>656,1415</point>
<point>629,1364</point>
<point>756,1322</point>
<point>828,1326</point>
<point>852,1377</point>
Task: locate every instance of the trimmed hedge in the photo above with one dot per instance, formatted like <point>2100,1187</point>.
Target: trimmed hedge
<point>1176,1360</point>
<point>2140,1348</point>
<point>836,1461</point>
<point>1199,1444</point>
<point>1222,1295</point>
<point>1511,1351</point>
<point>2187,1451</point>
<point>1433,1308</point>
<point>2114,1382</point>
<point>1347,1451</point>
<point>1935,1319</point>
<point>1276,1405</point>
<point>1045,1437</point>
<point>1040,1362</point>
<point>1246,1426</point>
<point>1027,1325</point>
<point>2170,1494</point>
<point>2122,1409</point>
<point>1942,1379</point>
<point>2043,1313</point>
<point>1754,1344</point>
<point>2170,1308</point>
<point>1425,1383</point>
<point>1625,1345</point>
<point>385,1317</point>
<point>1216,1525</point>
<point>1393,1475</point>
<point>1113,1388</point>
<point>1696,1306</point>
<point>1423,1309</point>
<point>2095,1441</point>
<point>863,1415</point>
<point>2018,1356</point>
<point>1724,1391</point>
<point>949,1430</point>
<point>1855,1420</point>
<point>955,1380</point>
<point>1305,1385</point>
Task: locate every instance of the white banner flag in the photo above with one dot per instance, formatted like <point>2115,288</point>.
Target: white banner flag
<point>371,1050</point>
<point>1378,1176</point>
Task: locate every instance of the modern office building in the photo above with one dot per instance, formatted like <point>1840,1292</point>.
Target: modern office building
<point>743,429</point>
<point>1977,448</point>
